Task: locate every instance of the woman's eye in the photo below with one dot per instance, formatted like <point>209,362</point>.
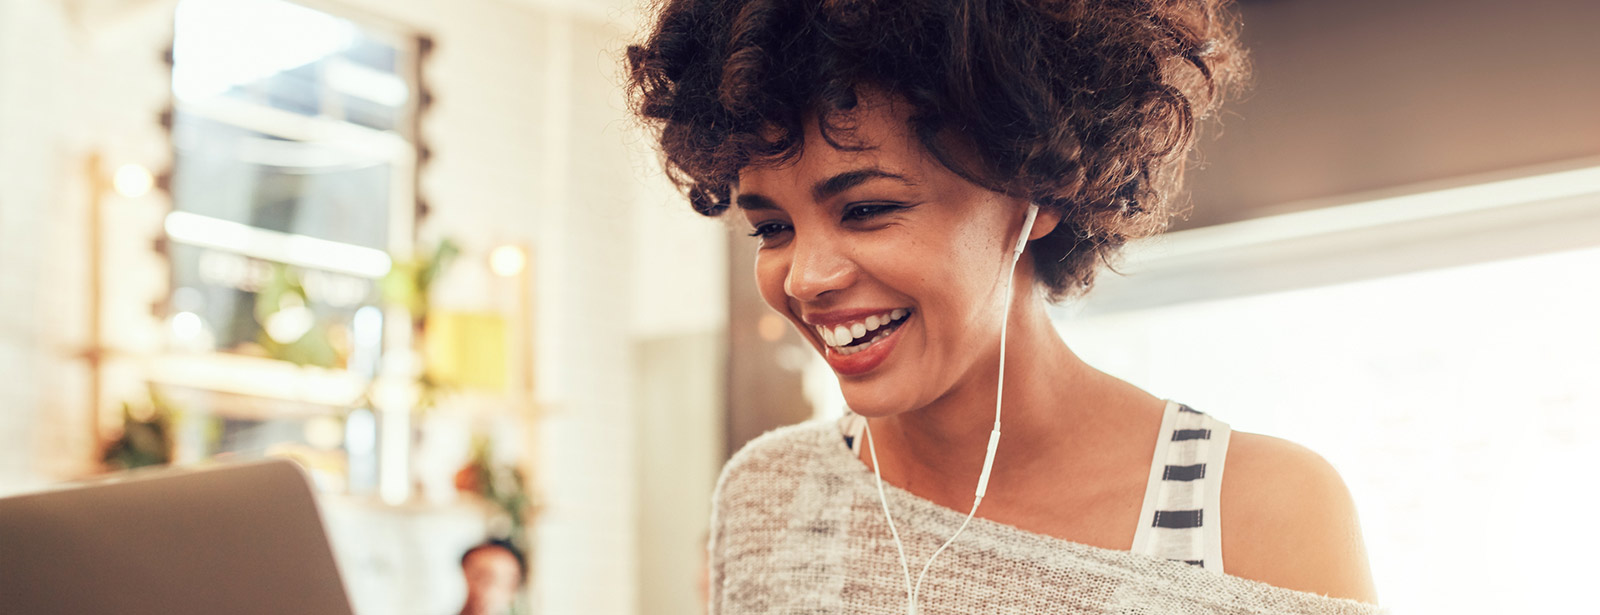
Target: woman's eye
<point>866,211</point>
<point>767,230</point>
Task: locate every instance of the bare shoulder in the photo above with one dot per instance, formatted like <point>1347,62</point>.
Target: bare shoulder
<point>1288,520</point>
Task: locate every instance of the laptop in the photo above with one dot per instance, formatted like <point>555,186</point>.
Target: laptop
<point>240,539</point>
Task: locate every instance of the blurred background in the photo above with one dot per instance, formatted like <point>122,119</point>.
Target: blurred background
<point>421,248</point>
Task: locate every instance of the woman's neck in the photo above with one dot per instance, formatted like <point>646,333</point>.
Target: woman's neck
<point>1052,402</point>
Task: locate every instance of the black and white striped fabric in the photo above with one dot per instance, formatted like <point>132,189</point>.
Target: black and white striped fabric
<point>1179,520</point>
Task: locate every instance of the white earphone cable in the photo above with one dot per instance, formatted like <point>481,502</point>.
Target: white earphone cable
<point>994,439</point>
<point>896,533</point>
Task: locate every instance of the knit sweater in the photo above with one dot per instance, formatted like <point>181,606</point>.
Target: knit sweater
<point>797,527</point>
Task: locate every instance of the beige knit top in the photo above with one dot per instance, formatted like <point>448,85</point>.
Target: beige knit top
<point>797,528</point>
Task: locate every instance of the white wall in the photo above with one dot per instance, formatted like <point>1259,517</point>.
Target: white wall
<point>1437,348</point>
<point>679,319</point>
<point>1458,404</point>
<point>73,85</point>
<point>25,183</point>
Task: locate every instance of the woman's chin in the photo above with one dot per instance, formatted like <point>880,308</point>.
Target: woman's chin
<point>875,404</point>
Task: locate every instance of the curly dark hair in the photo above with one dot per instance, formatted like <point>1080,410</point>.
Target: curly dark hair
<point>1088,107</point>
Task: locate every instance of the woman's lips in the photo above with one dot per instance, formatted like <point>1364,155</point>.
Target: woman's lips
<point>866,359</point>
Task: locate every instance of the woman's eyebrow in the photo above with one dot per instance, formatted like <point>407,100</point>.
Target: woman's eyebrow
<point>825,189</point>
<point>754,202</point>
<point>831,186</point>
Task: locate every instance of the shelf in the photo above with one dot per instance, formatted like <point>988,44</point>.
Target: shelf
<point>254,377</point>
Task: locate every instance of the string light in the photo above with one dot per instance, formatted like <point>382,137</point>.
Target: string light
<point>508,260</point>
<point>133,181</point>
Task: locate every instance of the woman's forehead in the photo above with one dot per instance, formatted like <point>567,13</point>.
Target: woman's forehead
<point>875,136</point>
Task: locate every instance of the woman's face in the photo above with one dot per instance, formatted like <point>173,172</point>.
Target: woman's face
<point>889,263</point>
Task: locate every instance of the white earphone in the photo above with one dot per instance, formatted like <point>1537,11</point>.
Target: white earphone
<point>994,436</point>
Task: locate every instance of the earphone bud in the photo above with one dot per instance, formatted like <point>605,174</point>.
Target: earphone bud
<point>994,435</point>
<point>1027,229</point>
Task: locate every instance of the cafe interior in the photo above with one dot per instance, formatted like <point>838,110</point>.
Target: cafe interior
<point>424,250</point>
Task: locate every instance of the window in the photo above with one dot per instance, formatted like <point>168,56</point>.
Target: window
<point>1458,402</point>
<point>293,182</point>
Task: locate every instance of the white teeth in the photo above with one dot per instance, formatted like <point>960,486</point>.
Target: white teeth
<point>840,336</point>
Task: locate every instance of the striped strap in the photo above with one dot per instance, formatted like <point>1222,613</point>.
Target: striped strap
<point>851,425</point>
<point>1180,519</point>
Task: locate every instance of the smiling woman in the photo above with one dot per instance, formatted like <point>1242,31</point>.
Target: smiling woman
<point>891,157</point>
<point>849,238</point>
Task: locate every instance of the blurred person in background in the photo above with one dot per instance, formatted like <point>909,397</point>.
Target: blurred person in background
<point>494,570</point>
<point>886,155</point>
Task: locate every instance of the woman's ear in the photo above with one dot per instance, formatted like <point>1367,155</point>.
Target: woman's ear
<point>1045,222</point>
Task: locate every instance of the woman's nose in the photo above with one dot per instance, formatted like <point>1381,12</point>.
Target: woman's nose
<point>818,267</point>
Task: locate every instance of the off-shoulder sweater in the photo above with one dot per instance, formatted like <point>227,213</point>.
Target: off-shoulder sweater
<point>797,527</point>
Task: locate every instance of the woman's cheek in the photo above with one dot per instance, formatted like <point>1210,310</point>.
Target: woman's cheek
<point>770,273</point>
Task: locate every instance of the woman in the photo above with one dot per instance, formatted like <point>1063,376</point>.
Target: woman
<point>889,155</point>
